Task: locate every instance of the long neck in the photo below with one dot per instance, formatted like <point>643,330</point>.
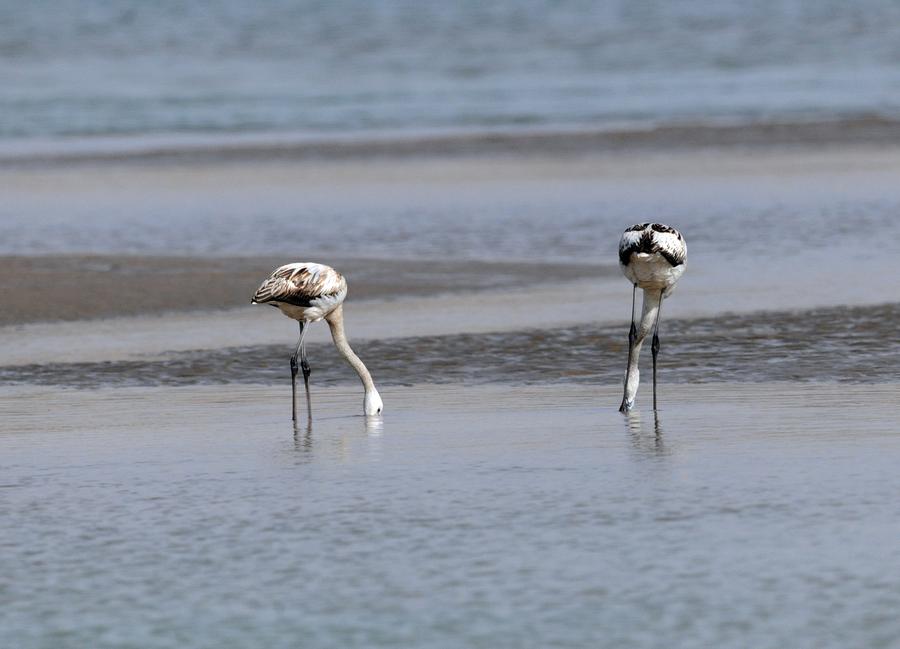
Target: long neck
<point>652,300</point>
<point>335,321</point>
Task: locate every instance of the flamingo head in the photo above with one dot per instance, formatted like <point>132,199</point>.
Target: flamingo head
<point>373,404</point>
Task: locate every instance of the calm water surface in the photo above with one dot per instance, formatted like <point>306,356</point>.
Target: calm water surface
<point>749,515</point>
<point>129,67</point>
<point>743,221</point>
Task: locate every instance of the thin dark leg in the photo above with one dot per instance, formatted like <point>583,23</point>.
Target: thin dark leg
<point>654,346</point>
<point>304,365</point>
<point>632,337</point>
<point>297,352</point>
<point>293,388</point>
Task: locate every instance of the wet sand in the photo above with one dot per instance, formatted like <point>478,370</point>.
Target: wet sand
<point>499,516</point>
<point>450,143</point>
<point>365,173</point>
<point>466,278</point>
<point>101,207</point>
<point>82,287</point>
<point>493,285</point>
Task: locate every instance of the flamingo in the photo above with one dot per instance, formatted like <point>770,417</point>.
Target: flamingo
<point>652,256</point>
<point>308,292</point>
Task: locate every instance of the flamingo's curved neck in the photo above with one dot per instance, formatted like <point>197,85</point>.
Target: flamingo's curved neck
<point>335,321</point>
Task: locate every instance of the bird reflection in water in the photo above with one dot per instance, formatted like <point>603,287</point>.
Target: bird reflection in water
<point>373,429</point>
<point>643,438</point>
<point>374,425</point>
<point>303,440</point>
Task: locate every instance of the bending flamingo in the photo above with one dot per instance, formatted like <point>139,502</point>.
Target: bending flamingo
<point>309,292</point>
<point>652,257</point>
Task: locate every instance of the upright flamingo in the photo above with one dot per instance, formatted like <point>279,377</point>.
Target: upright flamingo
<point>652,257</point>
<point>309,292</point>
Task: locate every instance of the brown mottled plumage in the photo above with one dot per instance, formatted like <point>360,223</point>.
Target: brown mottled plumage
<point>302,285</point>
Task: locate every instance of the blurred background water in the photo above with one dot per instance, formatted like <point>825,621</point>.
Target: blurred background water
<point>102,67</point>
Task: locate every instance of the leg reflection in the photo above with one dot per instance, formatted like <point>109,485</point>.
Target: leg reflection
<point>303,434</point>
<point>643,437</point>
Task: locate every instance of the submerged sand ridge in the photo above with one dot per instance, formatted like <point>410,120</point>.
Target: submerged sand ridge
<point>837,344</point>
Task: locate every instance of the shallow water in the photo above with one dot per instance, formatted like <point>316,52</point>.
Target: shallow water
<point>736,223</point>
<point>484,517</point>
<point>846,344</point>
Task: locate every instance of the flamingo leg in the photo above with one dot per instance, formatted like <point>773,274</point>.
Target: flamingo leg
<point>654,346</point>
<point>632,337</point>
<point>304,365</point>
<point>299,351</point>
